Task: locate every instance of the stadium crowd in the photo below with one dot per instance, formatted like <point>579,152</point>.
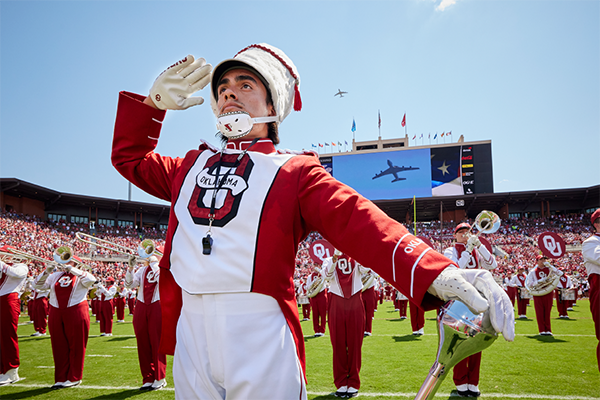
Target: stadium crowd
<point>516,241</point>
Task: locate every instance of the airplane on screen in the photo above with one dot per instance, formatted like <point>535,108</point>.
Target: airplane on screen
<point>340,93</point>
<point>393,170</point>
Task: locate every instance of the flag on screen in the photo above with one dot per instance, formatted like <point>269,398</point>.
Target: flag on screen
<point>404,120</point>
<point>379,115</point>
<point>353,125</point>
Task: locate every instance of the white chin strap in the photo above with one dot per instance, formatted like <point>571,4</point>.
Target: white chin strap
<point>236,124</point>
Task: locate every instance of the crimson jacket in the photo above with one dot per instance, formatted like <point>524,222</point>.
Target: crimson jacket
<point>270,201</point>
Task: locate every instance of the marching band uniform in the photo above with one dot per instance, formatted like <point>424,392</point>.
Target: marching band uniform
<point>542,304</point>
<point>562,305</point>
<point>417,319</point>
<point>119,302</point>
<point>147,321</point>
<point>591,256</point>
<point>518,282</point>
<point>346,322</point>
<point>106,309</point>
<point>303,300</point>
<point>12,280</point>
<point>272,201</point>
<point>466,372</point>
<point>40,311</point>
<point>69,321</point>
<point>369,301</point>
<point>318,304</point>
<point>402,304</point>
<point>131,295</point>
<point>511,288</point>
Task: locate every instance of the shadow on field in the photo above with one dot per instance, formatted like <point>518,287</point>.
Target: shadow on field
<point>28,393</point>
<point>396,319</point>
<point>120,339</point>
<point>566,319</point>
<point>546,339</point>
<point>406,338</point>
<point>326,396</point>
<point>125,394</point>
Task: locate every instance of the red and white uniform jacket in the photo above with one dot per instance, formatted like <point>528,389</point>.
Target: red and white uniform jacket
<point>268,204</point>
<point>12,278</point>
<point>538,274</point>
<point>344,276</point>
<point>590,250</point>
<point>67,289</point>
<point>564,282</point>
<point>479,258</point>
<point>106,293</point>
<point>301,292</point>
<point>518,280</point>
<point>146,279</point>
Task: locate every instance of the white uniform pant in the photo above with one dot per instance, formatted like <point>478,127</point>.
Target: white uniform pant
<point>235,346</point>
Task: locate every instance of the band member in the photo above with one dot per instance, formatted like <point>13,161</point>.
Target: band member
<point>511,288</point>
<point>69,320</point>
<point>237,217</point>
<point>40,311</point>
<point>147,321</point>
<point>12,280</point>
<point>119,301</point>
<point>518,282</point>
<point>131,295</point>
<point>303,299</point>
<point>543,303</point>
<point>346,321</point>
<point>562,304</point>
<point>468,253</point>
<point>369,300</point>
<point>107,294</point>
<point>401,304</point>
<point>591,259</point>
<point>319,301</point>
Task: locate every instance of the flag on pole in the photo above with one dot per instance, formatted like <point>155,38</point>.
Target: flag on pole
<point>435,137</point>
<point>340,143</point>
<point>353,125</point>
<point>429,136</point>
<point>442,135</point>
<point>414,137</point>
<point>346,142</point>
<point>404,120</point>
<point>313,145</point>
<point>320,145</point>
<point>421,136</point>
<point>379,115</point>
<point>333,143</point>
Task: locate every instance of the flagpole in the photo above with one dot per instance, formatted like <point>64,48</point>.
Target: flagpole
<point>415,213</point>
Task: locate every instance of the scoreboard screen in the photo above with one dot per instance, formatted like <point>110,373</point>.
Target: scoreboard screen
<point>425,172</point>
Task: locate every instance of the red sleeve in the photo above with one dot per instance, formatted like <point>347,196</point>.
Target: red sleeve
<point>360,229</point>
<point>137,129</point>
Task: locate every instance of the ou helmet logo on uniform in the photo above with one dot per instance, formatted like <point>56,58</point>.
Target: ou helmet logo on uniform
<point>151,276</point>
<point>65,281</point>
<point>551,245</point>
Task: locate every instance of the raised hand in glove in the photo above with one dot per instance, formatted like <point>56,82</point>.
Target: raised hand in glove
<point>132,261</point>
<point>172,90</point>
<point>478,290</point>
<point>473,243</point>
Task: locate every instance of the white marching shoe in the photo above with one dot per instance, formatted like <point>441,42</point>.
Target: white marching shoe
<point>159,384</point>
<point>71,384</point>
<point>11,376</point>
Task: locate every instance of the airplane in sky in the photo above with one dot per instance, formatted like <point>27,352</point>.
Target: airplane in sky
<point>393,170</point>
<point>340,93</point>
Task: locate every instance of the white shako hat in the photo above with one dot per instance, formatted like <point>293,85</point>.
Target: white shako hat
<point>274,67</point>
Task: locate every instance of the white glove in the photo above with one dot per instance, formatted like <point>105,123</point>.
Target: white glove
<point>473,243</point>
<point>173,88</point>
<point>132,261</point>
<point>468,286</point>
<point>67,267</point>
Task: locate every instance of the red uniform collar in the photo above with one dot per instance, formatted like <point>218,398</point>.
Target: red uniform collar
<point>263,145</point>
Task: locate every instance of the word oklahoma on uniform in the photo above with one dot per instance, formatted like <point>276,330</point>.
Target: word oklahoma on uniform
<point>237,216</point>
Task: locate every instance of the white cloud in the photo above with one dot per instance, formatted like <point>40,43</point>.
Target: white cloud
<point>445,3</point>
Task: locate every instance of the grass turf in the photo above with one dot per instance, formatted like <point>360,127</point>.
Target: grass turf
<point>394,364</point>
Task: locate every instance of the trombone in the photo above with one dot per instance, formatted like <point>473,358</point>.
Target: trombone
<point>145,249</point>
<point>27,256</point>
<point>486,222</point>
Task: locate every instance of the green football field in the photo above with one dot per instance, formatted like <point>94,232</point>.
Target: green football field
<point>394,365</point>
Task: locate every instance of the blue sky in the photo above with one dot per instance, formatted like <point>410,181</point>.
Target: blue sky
<point>523,74</point>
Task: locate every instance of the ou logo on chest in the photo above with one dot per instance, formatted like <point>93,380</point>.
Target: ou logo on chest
<point>152,277</point>
<point>65,281</point>
<point>344,266</point>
